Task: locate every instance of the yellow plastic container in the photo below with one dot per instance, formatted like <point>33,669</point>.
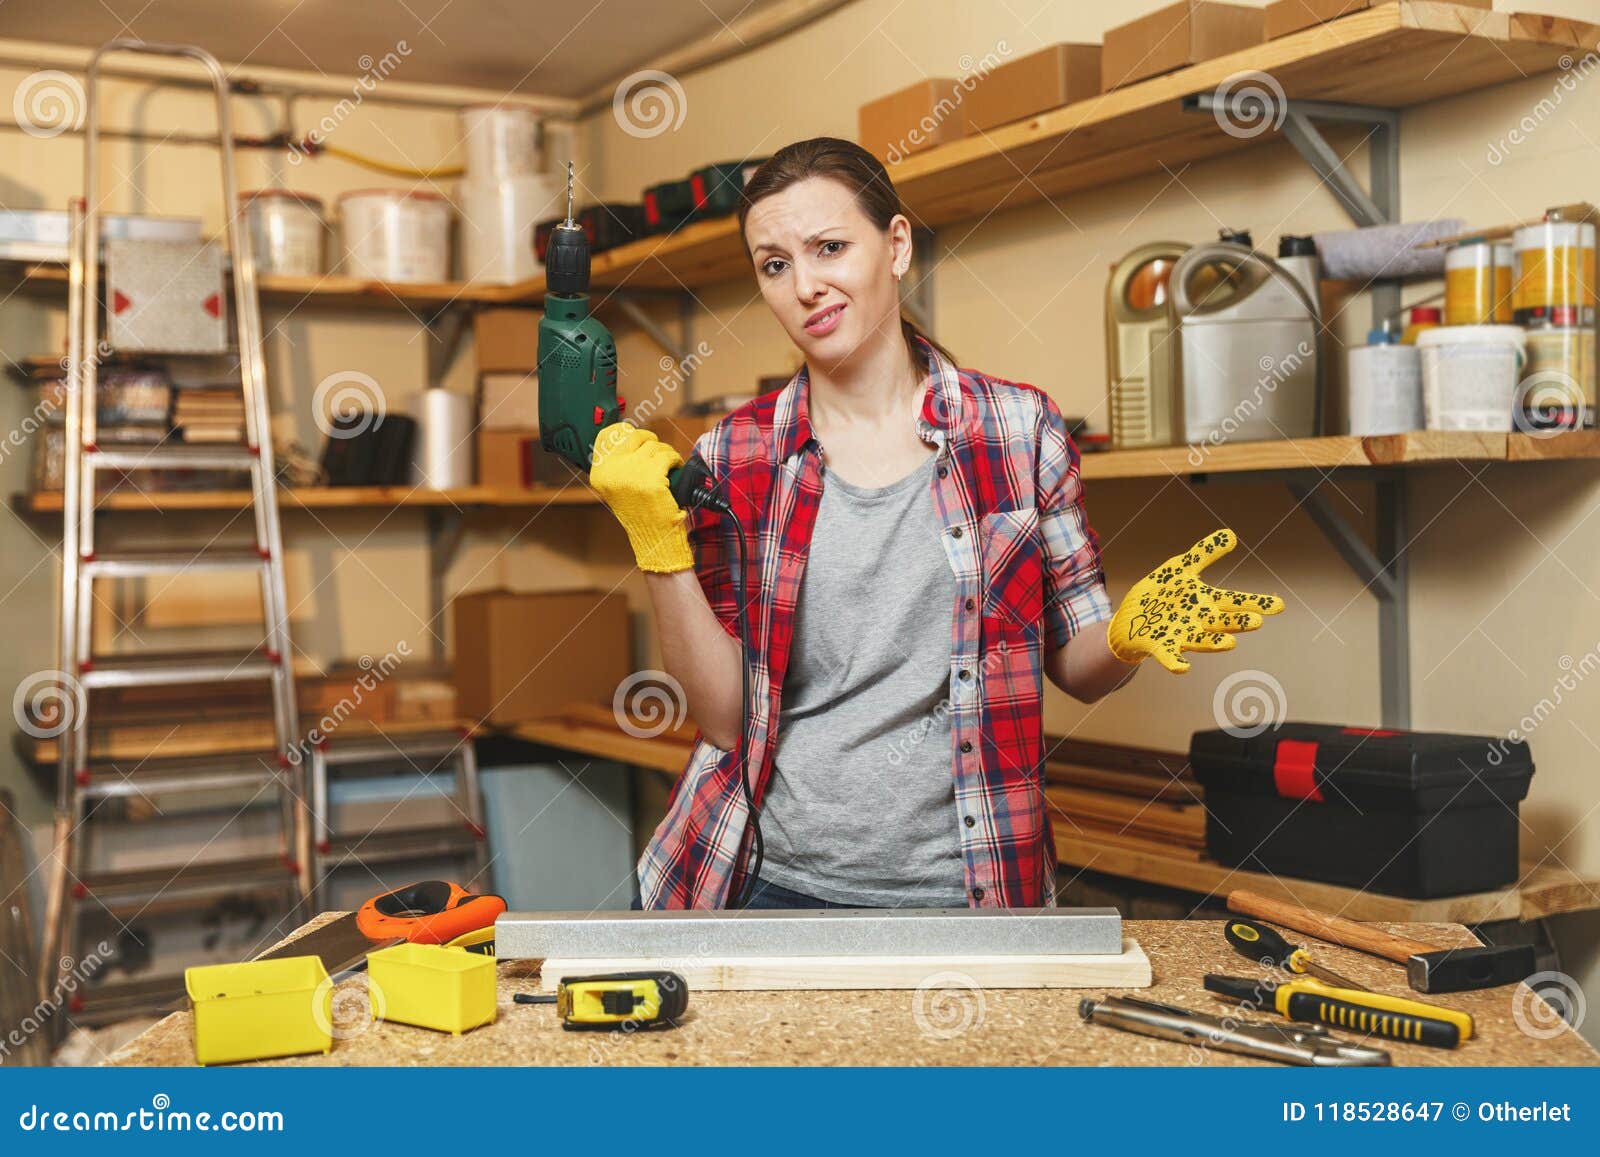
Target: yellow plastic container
<point>432,986</point>
<point>260,1009</point>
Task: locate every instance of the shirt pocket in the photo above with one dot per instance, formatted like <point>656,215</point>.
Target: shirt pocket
<point>1011,563</point>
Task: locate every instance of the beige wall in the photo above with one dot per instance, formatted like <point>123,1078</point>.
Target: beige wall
<point>1504,584</point>
<point>1504,581</point>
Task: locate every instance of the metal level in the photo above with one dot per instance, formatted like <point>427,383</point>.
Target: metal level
<point>827,932</point>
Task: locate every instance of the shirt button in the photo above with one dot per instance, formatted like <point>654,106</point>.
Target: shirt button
<point>971,821</point>
<point>966,745</point>
<point>977,893</point>
<point>944,472</point>
<point>966,674</point>
<point>955,532</point>
<point>972,604</point>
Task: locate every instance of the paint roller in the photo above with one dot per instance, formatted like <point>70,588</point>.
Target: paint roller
<point>1386,251</point>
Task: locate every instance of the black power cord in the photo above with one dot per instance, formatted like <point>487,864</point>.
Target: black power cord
<point>752,819</point>
<point>696,487</point>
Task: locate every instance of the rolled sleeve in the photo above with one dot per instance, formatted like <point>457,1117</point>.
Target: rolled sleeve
<point>1074,580</point>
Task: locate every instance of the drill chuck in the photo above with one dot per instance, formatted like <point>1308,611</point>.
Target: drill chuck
<point>566,261</point>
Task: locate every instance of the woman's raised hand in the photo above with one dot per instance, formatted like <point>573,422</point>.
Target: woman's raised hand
<point>630,474</point>
<point>1171,610</point>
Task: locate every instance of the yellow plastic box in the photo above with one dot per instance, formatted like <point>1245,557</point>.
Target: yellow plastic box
<point>432,986</point>
<point>260,1009</point>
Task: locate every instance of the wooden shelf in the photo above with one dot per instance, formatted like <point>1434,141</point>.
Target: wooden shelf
<point>1421,448</point>
<point>197,738</point>
<point>326,290</point>
<point>1390,56</point>
<point>323,498</point>
<point>1417,448</point>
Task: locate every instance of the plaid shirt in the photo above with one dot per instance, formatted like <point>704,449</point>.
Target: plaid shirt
<point>1028,575</point>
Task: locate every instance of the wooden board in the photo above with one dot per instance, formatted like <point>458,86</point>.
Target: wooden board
<point>1129,968</point>
<point>1544,890</point>
<point>1181,823</point>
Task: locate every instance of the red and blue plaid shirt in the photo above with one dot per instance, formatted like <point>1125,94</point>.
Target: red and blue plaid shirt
<point>1028,577</point>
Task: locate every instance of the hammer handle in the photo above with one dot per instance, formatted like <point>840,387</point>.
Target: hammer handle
<point>1335,929</point>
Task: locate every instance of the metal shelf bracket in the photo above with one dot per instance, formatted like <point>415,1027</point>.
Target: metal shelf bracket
<point>1253,104</point>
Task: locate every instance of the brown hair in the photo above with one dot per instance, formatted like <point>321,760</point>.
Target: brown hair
<point>854,168</point>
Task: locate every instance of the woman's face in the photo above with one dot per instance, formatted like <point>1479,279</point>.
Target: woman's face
<point>825,269</point>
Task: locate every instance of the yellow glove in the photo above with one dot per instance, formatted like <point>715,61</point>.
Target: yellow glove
<point>1170,610</point>
<point>630,475</point>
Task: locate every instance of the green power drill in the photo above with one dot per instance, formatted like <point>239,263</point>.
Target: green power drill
<point>578,368</point>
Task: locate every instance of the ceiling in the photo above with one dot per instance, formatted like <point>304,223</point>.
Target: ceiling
<point>529,46</point>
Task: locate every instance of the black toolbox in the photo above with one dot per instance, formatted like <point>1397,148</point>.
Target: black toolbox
<point>1405,813</point>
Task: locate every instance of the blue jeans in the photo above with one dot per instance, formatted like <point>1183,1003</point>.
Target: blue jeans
<point>770,895</point>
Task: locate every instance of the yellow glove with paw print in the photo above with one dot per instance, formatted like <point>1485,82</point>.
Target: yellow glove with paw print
<point>1170,610</point>
<point>630,473</point>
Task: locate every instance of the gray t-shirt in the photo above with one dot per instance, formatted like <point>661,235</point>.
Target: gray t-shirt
<point>860,807</point>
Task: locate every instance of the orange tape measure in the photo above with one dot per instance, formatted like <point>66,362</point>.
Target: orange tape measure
<point>428,912</point>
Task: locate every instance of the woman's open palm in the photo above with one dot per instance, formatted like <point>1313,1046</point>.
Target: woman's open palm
<point>1171,610</point>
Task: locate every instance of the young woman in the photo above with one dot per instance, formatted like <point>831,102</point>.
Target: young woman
<point>919,559</point>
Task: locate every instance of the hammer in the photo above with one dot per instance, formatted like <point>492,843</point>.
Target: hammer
<point>1428,969</point>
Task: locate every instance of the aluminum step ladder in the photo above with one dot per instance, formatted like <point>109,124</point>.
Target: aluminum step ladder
<point>78,892</point>
<point>464,839</point>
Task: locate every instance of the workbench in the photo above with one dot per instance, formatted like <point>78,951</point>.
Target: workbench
<point>936,1027</point>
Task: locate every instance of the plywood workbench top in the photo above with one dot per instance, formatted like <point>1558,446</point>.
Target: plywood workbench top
<point>936,1027</point>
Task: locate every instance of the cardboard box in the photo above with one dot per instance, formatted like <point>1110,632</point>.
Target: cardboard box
<point>1286,16</point>
<point>1176,37</point>
<point>423,701</point>
<point>344,694</point>
<point>520,656</point>
<point>508,401</point>
<point>514,460</point>
<point>506,339</point>
<point>681,430</point>
<point>929,113</point>
<point>1042,80</point>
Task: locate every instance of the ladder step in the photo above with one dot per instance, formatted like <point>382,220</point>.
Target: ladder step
<point>169,670</point>
<point>400,844</point>
<point>171,456</point>
<point>194,882</point>
<point>142,563</point>
<point>403,748</point>
<point>189,773</point>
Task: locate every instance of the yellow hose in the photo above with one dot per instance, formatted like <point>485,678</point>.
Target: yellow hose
<point>390,167</point>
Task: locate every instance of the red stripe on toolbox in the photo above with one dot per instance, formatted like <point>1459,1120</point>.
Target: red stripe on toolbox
<point>1294,769</point>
